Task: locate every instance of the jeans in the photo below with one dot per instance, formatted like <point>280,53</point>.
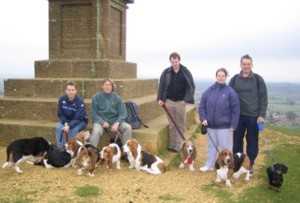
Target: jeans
<point>124,129</point>
<point>72,133</point>
<point>248,125</point>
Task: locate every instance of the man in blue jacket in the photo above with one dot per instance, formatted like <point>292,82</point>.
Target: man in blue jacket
<point>71,113</point>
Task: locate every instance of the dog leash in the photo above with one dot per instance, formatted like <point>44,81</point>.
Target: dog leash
<point>213,142</point>
<point>269,151</point>
<point>173,121</point>
<point>109,132</point>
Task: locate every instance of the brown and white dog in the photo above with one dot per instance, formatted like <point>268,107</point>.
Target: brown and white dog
<point>141,160</point>
<point>24,149</point>
<point>228,165</point>
<point>111,154</point>
<point>87,158</point>
<point>73,145</point>
<point>188,155</point>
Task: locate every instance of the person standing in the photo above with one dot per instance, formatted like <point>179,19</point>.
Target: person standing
<point>252,92</point>
<point>71,113</point>
<point>176,89</point>
<point>219,110</point>
<point>108,112</point>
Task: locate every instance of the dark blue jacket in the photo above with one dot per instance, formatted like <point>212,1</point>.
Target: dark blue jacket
<point>220,106</point>
<point>71,112</point>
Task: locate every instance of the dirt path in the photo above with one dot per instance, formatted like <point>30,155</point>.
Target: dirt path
<point>38,184</point>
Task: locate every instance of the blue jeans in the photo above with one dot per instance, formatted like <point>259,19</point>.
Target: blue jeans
<point>72,133</point>
<point>248,125</point>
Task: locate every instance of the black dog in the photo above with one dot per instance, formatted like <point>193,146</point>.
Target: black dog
<point>275,175</point>
<point>56,158</point>
<point>22,149</point>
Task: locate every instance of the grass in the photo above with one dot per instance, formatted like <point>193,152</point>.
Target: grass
<point>285,152</point>
<point>88,191</point>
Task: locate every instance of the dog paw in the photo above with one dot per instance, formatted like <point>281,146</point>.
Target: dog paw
<point>19,171</point>
<point>181,165</point>
<point>79,172</point>
<point>218,181</point>
<point>236,176</point>
<point>91,174</point>
<point>228,183</point>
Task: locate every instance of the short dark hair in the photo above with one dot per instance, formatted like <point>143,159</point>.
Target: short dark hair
<point>247,56</point>
<point>222,70</point>
<point>174,55</point>
<point>71,83</point>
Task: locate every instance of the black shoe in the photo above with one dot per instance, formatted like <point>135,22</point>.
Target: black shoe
<point>173,150</point>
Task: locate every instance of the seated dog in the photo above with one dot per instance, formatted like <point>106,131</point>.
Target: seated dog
<point>228,165</point>
<point>111,154</point>
<point>141,160</point>
<point>24,149</point>
<point>188,155</point>
<point>275,175</point>
<point>88,156</point>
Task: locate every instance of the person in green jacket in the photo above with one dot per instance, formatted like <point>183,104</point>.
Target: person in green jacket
<point>108,112</point>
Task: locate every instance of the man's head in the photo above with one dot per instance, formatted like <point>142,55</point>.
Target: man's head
<point>246,64</point>
<point>71,89</point>
<point>175,60</point>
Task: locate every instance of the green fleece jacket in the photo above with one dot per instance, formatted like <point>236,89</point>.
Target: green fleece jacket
<point>107,108</point>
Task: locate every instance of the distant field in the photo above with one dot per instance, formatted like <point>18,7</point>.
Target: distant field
<point>284,97</point>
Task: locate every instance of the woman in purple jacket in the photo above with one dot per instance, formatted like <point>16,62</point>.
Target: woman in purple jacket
<point>219,110</point>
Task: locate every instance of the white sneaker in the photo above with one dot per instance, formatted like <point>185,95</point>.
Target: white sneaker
<point>206,169</point>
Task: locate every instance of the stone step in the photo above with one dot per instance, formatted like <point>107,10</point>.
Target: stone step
<point>153,139</point>
<point>53,88</point>
<point>85,68</point>
<point>46,108</point>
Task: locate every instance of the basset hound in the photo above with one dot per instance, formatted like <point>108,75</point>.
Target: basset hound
<point>188,155</point>
<point>88,156</point>
<point>229,165</point>
<point>141,160</point>
<point>111,154</point>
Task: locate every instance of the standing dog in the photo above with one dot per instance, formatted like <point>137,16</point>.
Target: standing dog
<point>275,175</point>
<point>24,149</point>
<point>141,160</point>
<point>111,154</point>
<point>88,156</point>
<point>228,165</point>
<point>188,155</point>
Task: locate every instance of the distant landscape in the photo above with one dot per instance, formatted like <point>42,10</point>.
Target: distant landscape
<point>283,108</point>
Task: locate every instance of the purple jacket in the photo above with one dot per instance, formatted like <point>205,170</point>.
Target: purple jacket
<point>220,106</point>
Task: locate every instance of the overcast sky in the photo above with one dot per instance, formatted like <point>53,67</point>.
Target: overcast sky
<point>207,34</point>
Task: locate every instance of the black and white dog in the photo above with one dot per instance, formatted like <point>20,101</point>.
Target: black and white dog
<point>56,158</point>
<point>275,175</point>
<point>25,149</point>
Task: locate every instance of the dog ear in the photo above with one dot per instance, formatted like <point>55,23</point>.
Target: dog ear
<point>284,169</point>
<point>219,161</point>
<point>231,165</point>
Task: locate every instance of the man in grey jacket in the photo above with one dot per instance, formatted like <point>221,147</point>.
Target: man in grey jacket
<point>253,96</point>
<point>176,89</point>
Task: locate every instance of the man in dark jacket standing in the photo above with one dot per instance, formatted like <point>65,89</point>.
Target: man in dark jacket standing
<point>176,89</point>
<point>71,113</point>
<point>253,96</point>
